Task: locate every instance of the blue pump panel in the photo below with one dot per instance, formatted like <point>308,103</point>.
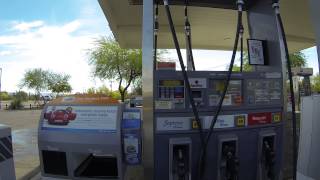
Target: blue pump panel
<point>131,136</point>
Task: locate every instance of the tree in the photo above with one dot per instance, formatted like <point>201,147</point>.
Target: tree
<point>137,88</point>
<point>112,62</point>
<point>35,79</point>
<point>59,83</point>
<point>298,59</point>
<point>23,96</point>
<point>91,90</point>
<point>4,96</point>
<point>316,84</point>
<point>246,66</point>
<point>40,80</point>
<point>104,90</point>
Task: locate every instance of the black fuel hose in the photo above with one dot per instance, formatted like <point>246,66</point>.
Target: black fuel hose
<point>234,52</point>
<point>156,31</point>
<point>184,73</point>
<point>275,5</point>
<point>241,47</point>
<point>187,27</point>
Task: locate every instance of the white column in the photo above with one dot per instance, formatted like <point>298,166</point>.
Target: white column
<point>315,14</point>
<point>147,84</point>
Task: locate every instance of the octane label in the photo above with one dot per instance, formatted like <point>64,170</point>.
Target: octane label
<point>276,117</point>
<point>259,118</point>
<point>240,121</point>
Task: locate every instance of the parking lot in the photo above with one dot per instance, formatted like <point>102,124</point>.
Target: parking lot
<point>24,135</point>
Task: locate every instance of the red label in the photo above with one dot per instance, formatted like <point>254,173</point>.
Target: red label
<point>166,65</point>
<point>259,118</point>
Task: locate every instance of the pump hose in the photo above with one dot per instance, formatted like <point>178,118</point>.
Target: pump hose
<point>275,5</point>
<point>156,31</point>
<point>203,152</point>
<point>188,35</point>
<point>184,73</point>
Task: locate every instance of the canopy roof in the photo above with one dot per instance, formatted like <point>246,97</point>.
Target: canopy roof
<point>212,28</point>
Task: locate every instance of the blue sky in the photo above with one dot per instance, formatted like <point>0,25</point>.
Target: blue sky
<point>55,34</point>
<point>49,34</point>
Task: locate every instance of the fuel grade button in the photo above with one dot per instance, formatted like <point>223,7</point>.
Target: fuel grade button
<point>240,121</point>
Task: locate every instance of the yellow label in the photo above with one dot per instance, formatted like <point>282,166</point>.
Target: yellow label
<point>195,124</point>
<point>240,121</point>
<point>276,117</point>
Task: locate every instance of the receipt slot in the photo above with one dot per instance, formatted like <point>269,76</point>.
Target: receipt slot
<point>80,138</point>
<point>267,155</point>
<point>227,158</point>
<point>180,159</point>
<point>7,171</point>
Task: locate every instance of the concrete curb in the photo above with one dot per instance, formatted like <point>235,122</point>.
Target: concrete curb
<point>31,174</point>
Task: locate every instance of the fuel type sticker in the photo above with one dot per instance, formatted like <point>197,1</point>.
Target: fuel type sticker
<point>276,117</point>
<point>195,124</point>
<point>259,118</point>
<point>240,121</point>
<point>163,105</point>
<point>214,100</point>
<point>224,121</point>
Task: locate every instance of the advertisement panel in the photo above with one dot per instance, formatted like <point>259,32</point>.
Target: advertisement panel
<point>80,117</point>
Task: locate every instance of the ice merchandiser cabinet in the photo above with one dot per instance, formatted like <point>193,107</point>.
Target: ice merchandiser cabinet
<point>80,138</point>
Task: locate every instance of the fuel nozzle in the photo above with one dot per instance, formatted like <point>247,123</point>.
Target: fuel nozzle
<point>181,164</point>
<point>240,4</point>
<point>269,159</point>
<point>232,163</point>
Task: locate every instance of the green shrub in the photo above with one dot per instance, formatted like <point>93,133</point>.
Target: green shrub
<point>15,104</point>
<point>5,96</point>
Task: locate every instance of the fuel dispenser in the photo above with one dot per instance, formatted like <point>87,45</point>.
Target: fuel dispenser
<point>222,125</point>
<point>88,137</point>
<point>7,171</point>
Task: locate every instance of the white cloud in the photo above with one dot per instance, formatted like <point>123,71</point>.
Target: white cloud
<point>56,48</point>
<point>25,26</point>
<point>5,53</point>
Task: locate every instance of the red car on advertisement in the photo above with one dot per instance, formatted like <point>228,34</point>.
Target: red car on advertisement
<point>60,117</point>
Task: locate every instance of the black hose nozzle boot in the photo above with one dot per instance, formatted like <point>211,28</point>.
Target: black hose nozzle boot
<point>269,156</point>
<point>232,163</point>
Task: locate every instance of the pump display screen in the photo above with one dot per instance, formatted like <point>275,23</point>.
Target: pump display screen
<point>75,117</point>
<point>233,95</point>
<point>171,89</point>
<point>171,83</point>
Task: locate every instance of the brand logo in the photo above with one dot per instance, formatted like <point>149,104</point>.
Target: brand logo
<point>173,124</point>
<point>257,118</point>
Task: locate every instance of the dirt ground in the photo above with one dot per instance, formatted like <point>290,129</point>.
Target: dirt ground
<point>24,126</point>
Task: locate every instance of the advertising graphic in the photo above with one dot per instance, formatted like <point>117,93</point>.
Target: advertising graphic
<point>81,117</point>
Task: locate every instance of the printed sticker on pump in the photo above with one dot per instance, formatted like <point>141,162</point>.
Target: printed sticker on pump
<point>163,105</point>
<point>198,82</point>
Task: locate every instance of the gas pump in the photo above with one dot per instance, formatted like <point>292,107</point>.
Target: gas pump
<point>88,137</point>
<point>7,171</point>
<point>223,125</point>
